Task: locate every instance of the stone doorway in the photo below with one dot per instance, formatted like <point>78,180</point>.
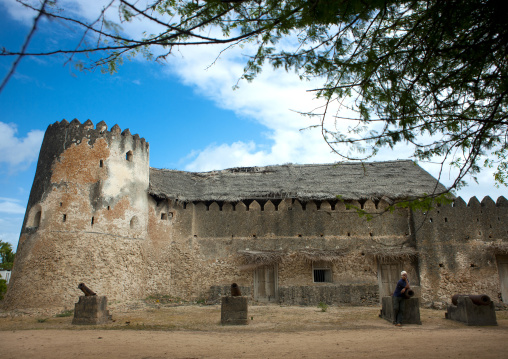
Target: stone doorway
<point>266,283</point>
<point>502,268</point>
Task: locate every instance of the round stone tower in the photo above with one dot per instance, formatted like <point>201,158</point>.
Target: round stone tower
<point>86,218</point>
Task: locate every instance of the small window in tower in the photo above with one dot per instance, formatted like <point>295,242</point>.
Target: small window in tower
<point>164,216</point>
<point>134,222</point>
<point>37,219</point>
<point>128,156</point>
<point>101,163</point>
<point>93,221</point>
<point>64,217</point>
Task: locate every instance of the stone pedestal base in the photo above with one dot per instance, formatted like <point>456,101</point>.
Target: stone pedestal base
<point>471,314</point>
<point>90,310</point>
<point>234,311</point>
<point>411,311</point>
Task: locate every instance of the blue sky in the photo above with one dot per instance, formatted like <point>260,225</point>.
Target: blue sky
<point>184,108</point>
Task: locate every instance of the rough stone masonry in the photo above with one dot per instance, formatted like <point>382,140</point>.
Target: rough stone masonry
<point>98,214</point>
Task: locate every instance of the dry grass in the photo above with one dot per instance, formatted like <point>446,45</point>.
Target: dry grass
<point>262,318</point>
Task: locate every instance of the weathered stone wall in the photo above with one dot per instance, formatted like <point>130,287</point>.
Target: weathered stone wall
<point>90,219</point>
<point>330,294</point>
<point>454,251</point>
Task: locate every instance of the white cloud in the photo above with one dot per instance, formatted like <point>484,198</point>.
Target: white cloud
<point>12,206</point>
<point>18,153</point>
<point>10,230</point>
<point>19,12</point>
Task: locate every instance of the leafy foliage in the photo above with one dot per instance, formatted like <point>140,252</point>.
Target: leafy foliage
<point>432,73</point>
<point>3,288</point>
<point>6,256</point>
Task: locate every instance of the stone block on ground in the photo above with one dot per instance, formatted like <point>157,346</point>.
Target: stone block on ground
<point>411,312</point>
<point>471,314</point>
<point>91,310</point>
<point>234,310</point>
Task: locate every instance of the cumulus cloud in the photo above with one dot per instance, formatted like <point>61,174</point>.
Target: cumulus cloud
<point>18,153</point>
<point>11,205</point>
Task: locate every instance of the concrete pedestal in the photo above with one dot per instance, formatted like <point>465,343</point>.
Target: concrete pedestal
<point>411,311</point>
<point>91,310</point>
<point>234,311</point>
<point>471,314</point>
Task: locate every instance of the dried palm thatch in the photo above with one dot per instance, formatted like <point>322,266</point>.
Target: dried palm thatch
<point>499,248</point>
<point>254,259</point>
<point>353,181</point>
<point>392,253</point>
<point>313,255</point>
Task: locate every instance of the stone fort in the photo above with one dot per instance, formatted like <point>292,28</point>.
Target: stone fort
<point>291,234</point>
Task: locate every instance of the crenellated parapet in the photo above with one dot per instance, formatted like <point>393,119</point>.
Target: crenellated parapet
<point>486,220</point>
<point>290,217</point>
<point>75,131</point>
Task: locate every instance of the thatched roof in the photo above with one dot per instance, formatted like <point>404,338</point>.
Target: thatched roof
<point>392,253</point>
<point>313,255</point>
<point>499,248</point>
<point>254,258</point>
<point>352,181</point>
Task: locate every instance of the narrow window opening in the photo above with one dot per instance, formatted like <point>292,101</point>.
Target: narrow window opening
<point>164,216</point>
<point>128,156</point>
<point>109,208</point>
<point>64,218</point>
<point>299,235</point>
<point>348,234</point>
<point>430,220</point>
<point>37,219</point>
<point>254,236</point>
<point>101,163</point>
<point>93,220</point>
<point>134,222</point>
<point>370,234</point>
<point>61,204</point>
<point>446,219</point>
<point>441,265</point>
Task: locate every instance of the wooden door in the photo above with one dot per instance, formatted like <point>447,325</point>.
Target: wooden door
<point>265,284</point>
<point>502,267</point>
<point>388,276</point>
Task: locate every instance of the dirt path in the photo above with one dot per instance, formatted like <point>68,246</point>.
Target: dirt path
<point>273,332</point>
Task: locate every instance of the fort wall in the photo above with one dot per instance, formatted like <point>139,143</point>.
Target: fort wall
<point>91,219</point>
<point>455,248</point>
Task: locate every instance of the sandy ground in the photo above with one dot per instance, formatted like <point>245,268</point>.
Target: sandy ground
<point>194,331</point>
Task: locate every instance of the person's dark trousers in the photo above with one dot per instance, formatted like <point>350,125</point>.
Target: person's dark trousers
<point>399,305</point>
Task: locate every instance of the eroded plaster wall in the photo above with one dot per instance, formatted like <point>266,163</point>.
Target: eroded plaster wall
<point>455,251</point>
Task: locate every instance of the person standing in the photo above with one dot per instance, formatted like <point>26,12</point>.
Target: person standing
<point>399,302</point>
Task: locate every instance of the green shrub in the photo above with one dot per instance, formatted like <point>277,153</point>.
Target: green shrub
<point>323,306</point>
<point>3,288</point>
<point>65,313</point>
